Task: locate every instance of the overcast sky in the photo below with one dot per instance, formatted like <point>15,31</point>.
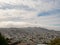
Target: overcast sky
<point>30,13</point>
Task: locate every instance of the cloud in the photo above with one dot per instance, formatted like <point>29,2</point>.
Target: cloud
<point>20,24</point>
<point>25,5</point>
<point>6,6</point>
<point>15,15</point>
<point>30,13</point>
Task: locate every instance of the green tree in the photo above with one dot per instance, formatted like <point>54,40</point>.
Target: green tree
<point>56,41</point>
<point>3,41</point>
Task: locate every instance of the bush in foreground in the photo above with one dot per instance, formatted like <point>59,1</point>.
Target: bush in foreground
<point>3,41</point>
<point>56,41</point>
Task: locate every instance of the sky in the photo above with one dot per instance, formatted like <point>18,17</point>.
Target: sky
<point>30,13</point>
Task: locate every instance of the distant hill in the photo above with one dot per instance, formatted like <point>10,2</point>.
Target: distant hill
<point>35,34</point>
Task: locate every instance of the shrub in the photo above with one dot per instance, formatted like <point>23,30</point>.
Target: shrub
<point>56,41</point>
<point>3,41</point>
